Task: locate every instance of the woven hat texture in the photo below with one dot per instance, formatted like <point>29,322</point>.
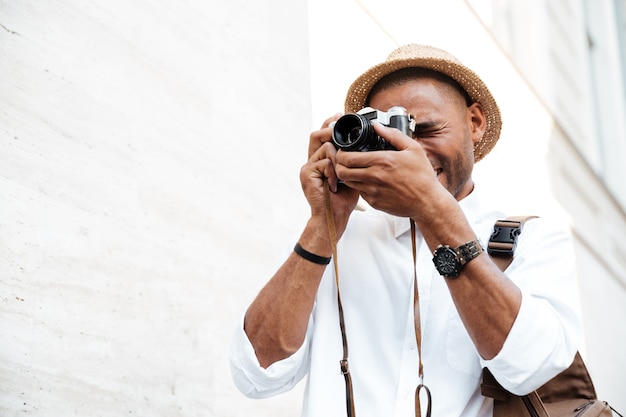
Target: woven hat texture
<point>424,56</point>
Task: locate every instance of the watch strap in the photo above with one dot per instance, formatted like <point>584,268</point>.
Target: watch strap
<point>468,251</point>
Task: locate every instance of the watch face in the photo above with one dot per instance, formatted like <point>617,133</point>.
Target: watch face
<point>446,262</point>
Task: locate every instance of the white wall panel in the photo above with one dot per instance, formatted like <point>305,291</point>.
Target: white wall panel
<point>148,182</point>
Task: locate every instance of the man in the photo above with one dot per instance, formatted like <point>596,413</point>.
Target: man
<point>522,324</point>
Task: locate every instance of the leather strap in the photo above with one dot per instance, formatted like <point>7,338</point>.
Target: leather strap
<point>343,364</point>
<point>344,367</point>
<point>418,333</point>
<point>416,303</point>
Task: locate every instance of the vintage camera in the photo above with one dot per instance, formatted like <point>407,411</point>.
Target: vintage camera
<point>355,131</point>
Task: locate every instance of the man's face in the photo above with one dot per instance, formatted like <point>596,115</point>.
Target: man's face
<point>445,127</point>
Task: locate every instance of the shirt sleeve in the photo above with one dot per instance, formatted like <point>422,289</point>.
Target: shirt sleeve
<point>255,381</point>
<point>547,331</point>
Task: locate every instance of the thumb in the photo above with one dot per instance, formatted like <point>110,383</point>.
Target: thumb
<point>395,137</point>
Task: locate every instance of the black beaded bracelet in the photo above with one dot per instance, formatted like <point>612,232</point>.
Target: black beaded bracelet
<point>316,259</point>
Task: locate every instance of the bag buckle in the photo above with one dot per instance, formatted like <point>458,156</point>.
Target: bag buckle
<point>503,239</point>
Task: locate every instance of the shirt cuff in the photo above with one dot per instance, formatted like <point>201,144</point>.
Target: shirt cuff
<point>252,379</point>
<point>523,365</point>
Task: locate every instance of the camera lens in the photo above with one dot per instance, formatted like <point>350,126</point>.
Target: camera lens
<point>352,132</point>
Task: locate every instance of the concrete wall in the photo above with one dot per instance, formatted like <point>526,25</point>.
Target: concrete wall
<point>147,183</point>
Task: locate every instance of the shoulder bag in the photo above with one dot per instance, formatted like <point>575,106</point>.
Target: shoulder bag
<point>569,394</point>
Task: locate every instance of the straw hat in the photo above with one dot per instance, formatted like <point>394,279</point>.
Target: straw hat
<point>424,56</point>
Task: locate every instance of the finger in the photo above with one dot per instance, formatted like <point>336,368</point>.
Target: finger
<point>330,175</point>
<point>323,163</point>
<point>395,137</point>
<point>319,137</point>
<point>314,173</point>
<point>325,151</point>
<point>354,177</point>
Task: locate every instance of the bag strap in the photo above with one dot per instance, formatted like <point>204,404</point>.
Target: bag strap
<point>503,240</point>
<point>573,383</point>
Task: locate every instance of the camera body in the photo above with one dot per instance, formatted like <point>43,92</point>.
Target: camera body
<point>355,131</point>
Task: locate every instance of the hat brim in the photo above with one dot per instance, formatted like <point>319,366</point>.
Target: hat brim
<point>467,79</point>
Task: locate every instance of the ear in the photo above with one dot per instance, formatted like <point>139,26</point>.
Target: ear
<point>476,121</point>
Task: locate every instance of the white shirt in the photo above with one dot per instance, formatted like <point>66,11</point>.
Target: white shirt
<point>376,280</point>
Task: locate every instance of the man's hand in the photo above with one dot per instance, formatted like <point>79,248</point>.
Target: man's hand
<point>321,166</point>
<point>402,182</point>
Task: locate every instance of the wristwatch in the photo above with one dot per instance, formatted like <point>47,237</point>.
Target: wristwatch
<point>449,261</point>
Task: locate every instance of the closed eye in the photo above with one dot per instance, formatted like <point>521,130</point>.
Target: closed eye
<point>423,134</point>
<point>428,129</point>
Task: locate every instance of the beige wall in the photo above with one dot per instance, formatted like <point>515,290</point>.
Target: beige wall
<point>148,177</point>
